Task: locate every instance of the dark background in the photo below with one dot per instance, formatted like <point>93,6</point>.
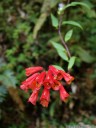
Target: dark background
<point>20,22</point>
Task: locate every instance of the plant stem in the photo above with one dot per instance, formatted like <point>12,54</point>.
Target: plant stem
<point>61,37</point>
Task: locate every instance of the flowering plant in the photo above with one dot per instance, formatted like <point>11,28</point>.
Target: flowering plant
<point>51,79</point>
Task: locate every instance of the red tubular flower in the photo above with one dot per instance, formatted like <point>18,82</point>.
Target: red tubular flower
<point>63,94</point>
<point>24,87</point>
<point>45,97</point>
<point>33,98</point>
<point>28,82</point>
<point>57,73</point>
<point>53,69</point>
<point>56,85</point>
<point>68,78</point>
<point>32,70</point>
<point>41,77</point>
<point>37,83</point>
<point>48,80</point>
<point>32,77</point>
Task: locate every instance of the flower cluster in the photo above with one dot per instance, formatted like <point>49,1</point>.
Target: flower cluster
<point>48,80</point>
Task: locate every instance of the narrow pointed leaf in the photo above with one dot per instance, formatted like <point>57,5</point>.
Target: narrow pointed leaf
<point>72,23</point>
<point>54,21</point>
<point>58,46</point>
<point>63,55</point>
<point>68,35</point>
<point>60,50</point>
<point>71,62</point>
<point>72,4</point>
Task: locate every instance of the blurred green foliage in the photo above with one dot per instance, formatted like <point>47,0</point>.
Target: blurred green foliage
<point>26,35</point>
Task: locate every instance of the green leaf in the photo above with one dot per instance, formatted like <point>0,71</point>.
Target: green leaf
<point>84,55</point>
<point>63,55</point>
<point>60,50</point>
<point>68,35</point>
<point>58,67</point>
<point>54,21</point>
<point>72,23</point>
<point>71,62</point>
<point>75,4</point>
<point>58,46</point>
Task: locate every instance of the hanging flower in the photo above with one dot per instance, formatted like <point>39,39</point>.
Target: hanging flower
<point>28,82</point>
<point>63,94</point>
<point>41,77</point>
<point>49,80</point>
<point>32,70</point>
<point>56,84</point>
<point>67,77</point>
<point>38,82</point>
<point>45,98</point>
<point>33,98</point>
<point>57,73</point>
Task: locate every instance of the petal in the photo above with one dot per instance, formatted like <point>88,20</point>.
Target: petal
<point>44,103</point>
<point>24,87</point>
<point>47,84</point>
<point>53,69</point>
<point>45,97</point>
<point>49,76</point>
<point>35,85</point>
<point>48,80</point>
<point>59,76</point>
<point>32,70</point>
<point>27,84</point>
<point>40,78</point>
<point>68,78</point>
<point>57,73</point>
<point>45,94</point>
<point>33,98</point>
<point>56,85</point>
<point>63,94</point>
<point>32,77</point>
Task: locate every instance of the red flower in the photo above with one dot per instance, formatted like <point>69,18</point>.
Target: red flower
<point>41,77</point>
<point>37,83</point>
<point>63,94</point>
<point>56,85</point>
<point>45,97</point>
<point>53,69</point>
<point>48,80</point>
<point>24,87</point>
<point>28,82</point>
<point>57,73</point>
<point>68,78</point>
<point>32,70</point>
<point>33,98</point>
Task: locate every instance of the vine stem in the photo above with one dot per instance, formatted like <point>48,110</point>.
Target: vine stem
<point>61,37</point>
